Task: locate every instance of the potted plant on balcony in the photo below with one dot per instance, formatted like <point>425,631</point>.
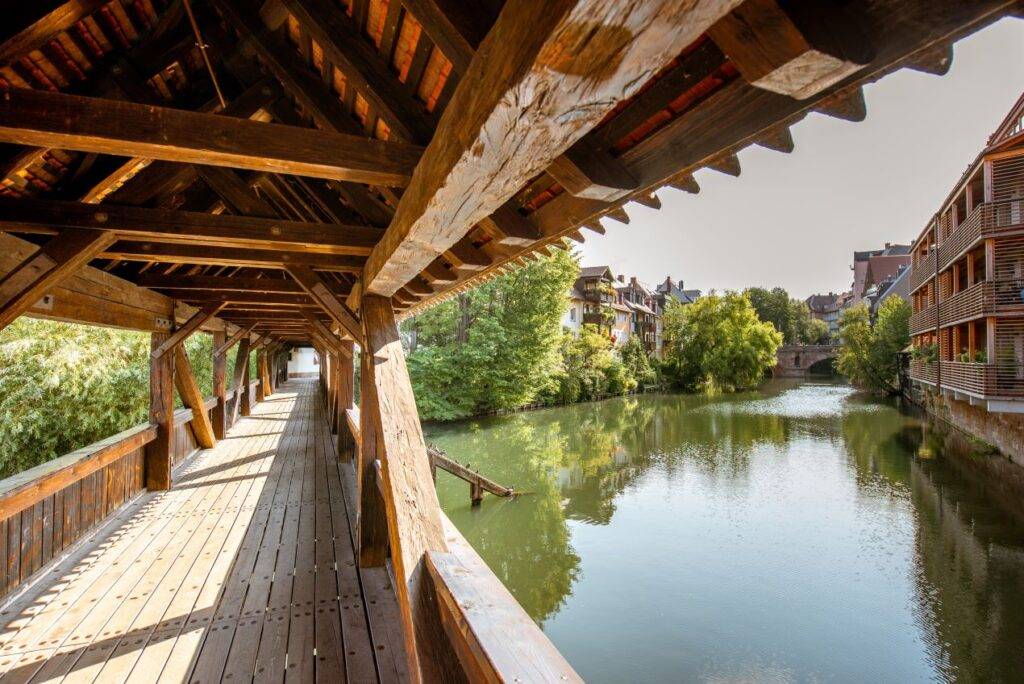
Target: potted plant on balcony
<point>926,353</point>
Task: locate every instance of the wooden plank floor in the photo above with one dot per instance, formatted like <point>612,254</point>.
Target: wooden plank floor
<point>243,571</point>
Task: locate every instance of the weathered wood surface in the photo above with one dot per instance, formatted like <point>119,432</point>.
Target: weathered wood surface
<point>192,398</point>
<point>161,414</point>
<point>242,571</point>
<point>31,486</point>
<point>410,500</point>
<point>537,84</point>
<point>164,225</point>
<point>60,257</point>
<point>45,119</point>
<point>797,53</point>
<point>495,639</point>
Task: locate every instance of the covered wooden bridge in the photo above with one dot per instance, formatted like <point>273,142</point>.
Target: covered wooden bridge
<point>306,172</point>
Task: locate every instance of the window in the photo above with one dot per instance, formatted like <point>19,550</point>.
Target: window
<point>572,314</point>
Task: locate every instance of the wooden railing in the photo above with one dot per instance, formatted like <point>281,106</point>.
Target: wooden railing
<point>988,219</point>
<point>991,297</point>
<point>493,637</point>
<point>978,379</point>
<point>923,271</point>
<point>46,509</point>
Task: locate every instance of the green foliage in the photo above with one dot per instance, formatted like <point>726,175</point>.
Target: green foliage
<point>636,361</point>
<point>63,386</point>
<point>718,343</point>
<point>869,355</point>
<point>494,347</point>
<point>589,369</point>
<point>791,317</point>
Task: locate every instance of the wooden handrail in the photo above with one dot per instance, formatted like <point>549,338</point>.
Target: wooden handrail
<point>492,635</point>
<point>31,486</point>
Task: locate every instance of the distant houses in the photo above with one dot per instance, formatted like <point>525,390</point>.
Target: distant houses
<point>877,275</point>
<point>622,309</point>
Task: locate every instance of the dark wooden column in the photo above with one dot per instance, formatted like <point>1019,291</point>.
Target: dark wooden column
<point>238,380</point>
<point>220,369</point>
<point>346,398</point>
<point>261,366</point>
<point>372,520</point>
<point>161,414</point>
<point>246,408</point>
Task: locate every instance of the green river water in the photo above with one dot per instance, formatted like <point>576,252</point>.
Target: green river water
<point>798,533</point>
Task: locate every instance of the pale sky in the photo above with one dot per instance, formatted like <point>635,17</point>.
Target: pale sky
<point>795,219</point>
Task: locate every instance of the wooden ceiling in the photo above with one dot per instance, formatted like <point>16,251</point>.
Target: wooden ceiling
<point>304,152</point>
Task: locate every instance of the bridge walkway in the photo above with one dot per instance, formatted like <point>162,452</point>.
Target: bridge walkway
<point>243,571</point>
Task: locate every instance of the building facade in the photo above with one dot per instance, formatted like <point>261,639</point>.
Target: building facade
<point>827,308</point>
<point>967,282</point>
<point>622,309</point>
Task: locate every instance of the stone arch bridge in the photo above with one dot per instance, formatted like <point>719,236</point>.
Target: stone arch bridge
<point>802,360</point>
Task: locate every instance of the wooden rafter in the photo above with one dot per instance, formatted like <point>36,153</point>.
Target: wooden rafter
<point>519,107</point>
<point>163,225</point>
<point>31,117</point>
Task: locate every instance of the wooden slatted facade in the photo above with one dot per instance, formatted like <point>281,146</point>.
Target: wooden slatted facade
<point>309,172</point>
<point>968,280</point>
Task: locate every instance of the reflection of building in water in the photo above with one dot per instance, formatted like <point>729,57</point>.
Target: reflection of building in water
<point>970,579</point>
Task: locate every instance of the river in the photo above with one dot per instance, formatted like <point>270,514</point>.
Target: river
<point>797,533</point>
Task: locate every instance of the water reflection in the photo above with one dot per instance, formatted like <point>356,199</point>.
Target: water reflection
<point>798,532</point>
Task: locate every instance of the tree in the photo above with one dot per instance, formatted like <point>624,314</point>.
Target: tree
<point>791,317</point>
<point>494,347</point>
<point>869,355</point>
<point>636,361</point>
<point>718,342</point>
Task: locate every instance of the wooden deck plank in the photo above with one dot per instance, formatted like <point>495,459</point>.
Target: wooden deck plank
<point>245,567</point>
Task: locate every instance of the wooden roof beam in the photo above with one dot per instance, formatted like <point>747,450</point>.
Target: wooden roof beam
<point>131,250</point>
<point>165,225</point>
<point>187,328</point>
<point>797,51</point>
<point>219,283</point>
<point>59,258</point>
<point>45,119</point>
<point>538,83</point>
<point>313,284</point>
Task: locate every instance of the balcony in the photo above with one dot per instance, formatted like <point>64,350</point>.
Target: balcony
<point>984,380</point>
<point>922,271</point>
<point>987,220</point>
<point>598,319</point>
<point>988,298</point>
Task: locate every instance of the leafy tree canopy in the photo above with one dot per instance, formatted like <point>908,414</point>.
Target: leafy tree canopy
<point>791,317</point>
<point>717,342</point>
<point>869,355</point>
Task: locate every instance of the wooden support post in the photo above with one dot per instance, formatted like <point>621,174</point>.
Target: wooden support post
<point>188,390</point>
<point>241,361</point>
<point>59,258</point>
<point>346,398</point>
<point>261,367</point>
<point>372,520</point>
<point>410,498</point>
<point>246,409</point>
<point>220,369</point>
<point>161,414</point>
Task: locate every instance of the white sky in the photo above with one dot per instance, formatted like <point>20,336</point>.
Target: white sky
<point>795,219</point>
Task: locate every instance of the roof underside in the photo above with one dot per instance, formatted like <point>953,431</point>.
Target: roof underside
<point>246,229</point>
